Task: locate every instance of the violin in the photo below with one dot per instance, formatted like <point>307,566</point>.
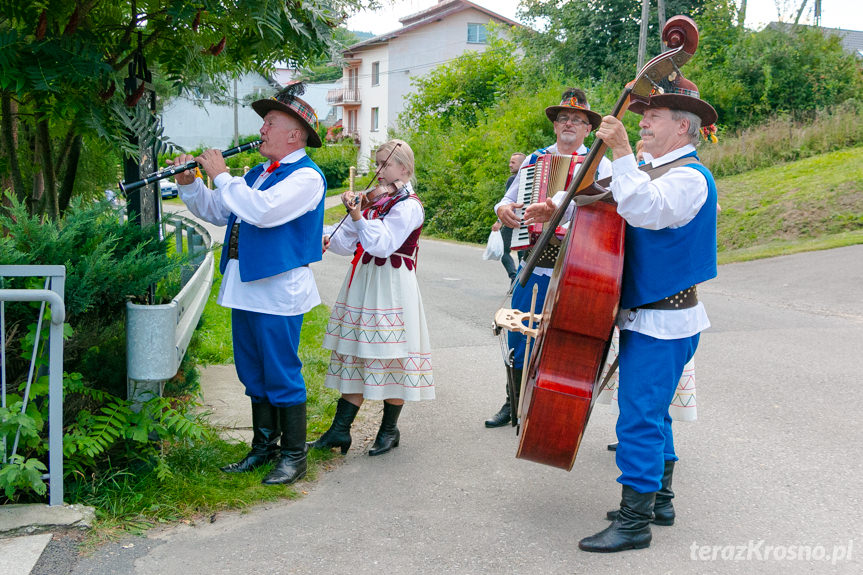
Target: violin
<point>363,197</point>
<point>367,198</point>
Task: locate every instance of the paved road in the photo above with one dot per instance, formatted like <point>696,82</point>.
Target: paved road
<point>774,462</point>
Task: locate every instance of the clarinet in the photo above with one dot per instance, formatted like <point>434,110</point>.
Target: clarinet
<point>168,172</point>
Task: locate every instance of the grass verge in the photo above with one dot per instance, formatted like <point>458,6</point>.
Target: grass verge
<point>133,500</point>
<point>810,204</point>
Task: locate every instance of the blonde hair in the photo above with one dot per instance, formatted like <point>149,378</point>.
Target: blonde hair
<point>401,153</point>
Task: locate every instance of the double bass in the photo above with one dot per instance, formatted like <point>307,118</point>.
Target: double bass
<point>562,376</point>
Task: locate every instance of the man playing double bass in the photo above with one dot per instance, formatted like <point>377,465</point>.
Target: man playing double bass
<point>573,120</point>
<point>670,247</point>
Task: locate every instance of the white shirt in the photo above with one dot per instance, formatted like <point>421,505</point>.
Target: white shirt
<point>670,201</point>
<point>380,237</point>
<point>292,292</point>
<point>511,196</point>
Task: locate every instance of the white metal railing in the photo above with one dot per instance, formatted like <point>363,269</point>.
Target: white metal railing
<point>343,96</point>
<point>55,280</point>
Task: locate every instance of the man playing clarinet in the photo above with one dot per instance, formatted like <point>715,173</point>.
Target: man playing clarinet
<point>273,216</point>
<point>670,247</point>
<point>573,120</point>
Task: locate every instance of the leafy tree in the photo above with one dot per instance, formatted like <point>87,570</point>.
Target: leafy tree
<point>63,63</point>
<point>750,76</point>
<point>593,39</point>
<point>459,90</point>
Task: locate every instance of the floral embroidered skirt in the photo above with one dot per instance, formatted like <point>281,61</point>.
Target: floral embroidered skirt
<point>683,406</point>
<point>378,336</point>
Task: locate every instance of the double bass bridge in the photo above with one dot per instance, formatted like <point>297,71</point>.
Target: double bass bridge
<point>518,321</point>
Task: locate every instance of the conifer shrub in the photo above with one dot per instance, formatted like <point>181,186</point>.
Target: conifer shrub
<point>108,263</point>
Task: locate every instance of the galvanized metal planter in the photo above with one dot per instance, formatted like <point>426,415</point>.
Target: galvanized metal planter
<point>157,336</point>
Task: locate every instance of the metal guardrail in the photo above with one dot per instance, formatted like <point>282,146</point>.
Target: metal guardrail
<point>52,294</point>
<point>157,336</point>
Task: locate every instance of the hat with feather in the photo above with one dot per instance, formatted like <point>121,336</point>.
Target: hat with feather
<point>678,94</point>
<point>574,99</point>
<point>288,100</point>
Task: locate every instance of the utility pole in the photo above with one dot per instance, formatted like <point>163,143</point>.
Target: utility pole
<point>642,38</point>
<point>660,9</point>
<point>236,116</point>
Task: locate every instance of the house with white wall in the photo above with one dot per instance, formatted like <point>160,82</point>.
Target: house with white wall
<point>192,120</point>
<point>377,73</point>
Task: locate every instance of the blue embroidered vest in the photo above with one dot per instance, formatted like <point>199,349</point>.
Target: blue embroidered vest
<point>660,263</point>
<point>265,252</point>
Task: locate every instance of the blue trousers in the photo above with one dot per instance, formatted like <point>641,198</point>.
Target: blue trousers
<point>266,357</point>
<point>521,297</point>
<point>649,371</point>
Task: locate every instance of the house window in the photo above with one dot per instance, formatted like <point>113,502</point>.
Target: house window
<point>375,119</point>
<point>476,34</point>
<point>352,121</point>
<point>376,73</point>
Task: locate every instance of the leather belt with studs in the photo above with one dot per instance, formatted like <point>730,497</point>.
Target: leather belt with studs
<point>549,254</point>
<point>681,300</point>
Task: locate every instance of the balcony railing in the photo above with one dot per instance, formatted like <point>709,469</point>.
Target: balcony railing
<point>343,96</point>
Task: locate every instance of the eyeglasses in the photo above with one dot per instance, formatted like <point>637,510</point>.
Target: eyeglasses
<point>563,120</point>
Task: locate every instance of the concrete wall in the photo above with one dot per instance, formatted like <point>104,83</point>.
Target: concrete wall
<point>191,123</point>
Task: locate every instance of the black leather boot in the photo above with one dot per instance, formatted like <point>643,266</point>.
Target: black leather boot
<point>629,530</point>
<point>388,434</point>
<point>339,433</point>
<point>506,413</point>
<point>502,417</point>
<point>265,439</point>
<point>663,510</point>
<point>291,465</point>
<point>515,375</point>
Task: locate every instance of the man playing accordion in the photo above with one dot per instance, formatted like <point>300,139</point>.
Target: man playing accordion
<point>573,120</point>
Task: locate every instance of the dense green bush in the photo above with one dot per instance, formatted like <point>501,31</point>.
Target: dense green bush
<point>107,263</point>
<point>335,161</point>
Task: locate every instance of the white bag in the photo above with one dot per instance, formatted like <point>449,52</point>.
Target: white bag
<point>494,247</point>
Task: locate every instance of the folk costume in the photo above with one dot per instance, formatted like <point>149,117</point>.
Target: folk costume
<point>541,274</point>
<point>377,328</point>
<point>670,247</point>
<point>267,283</point>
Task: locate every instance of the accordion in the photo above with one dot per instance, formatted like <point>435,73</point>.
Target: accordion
<point>550,174</point>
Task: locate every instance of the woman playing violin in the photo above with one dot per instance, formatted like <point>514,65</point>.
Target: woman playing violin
<point>377,329</point>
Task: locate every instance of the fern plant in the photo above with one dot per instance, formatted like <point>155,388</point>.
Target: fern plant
<point>107,264</point>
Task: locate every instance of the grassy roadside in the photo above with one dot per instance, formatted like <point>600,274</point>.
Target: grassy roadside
<point>805,205</point>
<point>810,204</point>
<point>135,500</point>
